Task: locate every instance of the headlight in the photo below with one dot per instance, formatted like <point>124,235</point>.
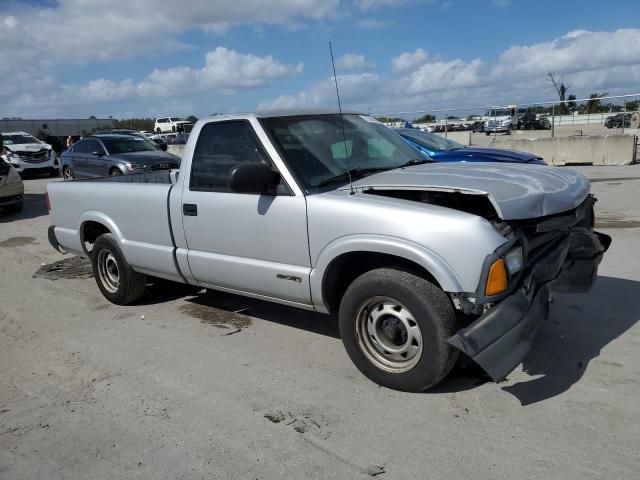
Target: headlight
<point>513,260</point>
<point>497,278</point>
<point>13,157</point>
<point>133,166</point>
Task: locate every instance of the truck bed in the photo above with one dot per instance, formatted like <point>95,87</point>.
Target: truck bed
<point>133,207</point>
<point>159,176</point>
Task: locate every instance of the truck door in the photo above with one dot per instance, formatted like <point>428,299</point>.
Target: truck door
<point>247,243</point>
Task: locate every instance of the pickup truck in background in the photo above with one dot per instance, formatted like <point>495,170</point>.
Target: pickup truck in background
<point>335,213</point>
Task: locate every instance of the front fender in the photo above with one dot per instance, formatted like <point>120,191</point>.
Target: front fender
<point>429,260</point>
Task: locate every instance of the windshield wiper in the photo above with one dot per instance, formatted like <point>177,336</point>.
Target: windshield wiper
<point>353,173</point>
<point>414,161</point>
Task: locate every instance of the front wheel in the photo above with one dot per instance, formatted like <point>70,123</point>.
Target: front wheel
<point>117,281</point>
<point>394,326</point>
<point>67,174</point>
<point>115,172</point>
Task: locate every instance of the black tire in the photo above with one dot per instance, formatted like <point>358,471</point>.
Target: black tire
<point>158,130</point>
<point>429,307</point>
<point>130,286</point>
<point>173,128</point>
<point>67,173</point>
<point>487,133</point>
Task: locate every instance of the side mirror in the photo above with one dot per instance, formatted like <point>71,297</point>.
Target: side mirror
<point>253,178</point>
<point>163,147</point>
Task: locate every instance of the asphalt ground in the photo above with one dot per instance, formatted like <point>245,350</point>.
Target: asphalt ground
<point>190,384</point>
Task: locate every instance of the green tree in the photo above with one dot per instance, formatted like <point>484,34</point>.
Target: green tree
<point>425,119</point>
<point>593,105</point>
<point>191,119</point>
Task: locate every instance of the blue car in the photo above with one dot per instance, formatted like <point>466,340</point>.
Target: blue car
<point>441,149</point>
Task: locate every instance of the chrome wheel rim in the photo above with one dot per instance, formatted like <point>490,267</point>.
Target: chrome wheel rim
<point>388,335</point>
<point>108,271</point>
<point>67,174</point>
<point>115,172</point>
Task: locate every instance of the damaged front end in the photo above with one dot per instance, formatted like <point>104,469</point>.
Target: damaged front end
<point>560,253</point>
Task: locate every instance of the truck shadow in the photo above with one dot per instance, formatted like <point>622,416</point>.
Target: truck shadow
<point>34,206</point>
<point>272,312</point>
<point>579,327</point>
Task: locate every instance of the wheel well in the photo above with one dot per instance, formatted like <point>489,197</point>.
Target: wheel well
<point>90,231</point>
<point>343,270</point>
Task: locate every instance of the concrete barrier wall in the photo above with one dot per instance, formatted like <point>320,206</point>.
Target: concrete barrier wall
<point>592,150</point>
<point>176,149</point>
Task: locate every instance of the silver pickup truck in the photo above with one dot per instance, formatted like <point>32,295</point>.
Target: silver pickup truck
<point>337,214</point>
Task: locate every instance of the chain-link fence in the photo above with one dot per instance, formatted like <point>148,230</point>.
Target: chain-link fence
<point>596,115</point>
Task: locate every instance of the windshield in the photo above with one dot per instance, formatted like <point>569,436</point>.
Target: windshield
<point>499,112</point>
<point>18,139</point>
<point>315,151</point>
<point>431,141</point>
<point>124,145</point>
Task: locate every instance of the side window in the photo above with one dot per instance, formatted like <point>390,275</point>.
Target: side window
<point>81,147</point>
<point>94,146</point>
<point>222,146</point>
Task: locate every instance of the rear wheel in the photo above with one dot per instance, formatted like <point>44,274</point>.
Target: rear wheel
<point>394,326</point>
<point>117,281</point>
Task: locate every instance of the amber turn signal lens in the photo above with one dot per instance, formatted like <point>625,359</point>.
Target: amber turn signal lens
<point>497,280</point>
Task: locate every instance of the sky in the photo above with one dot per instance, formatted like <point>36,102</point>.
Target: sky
<point>135,58</point>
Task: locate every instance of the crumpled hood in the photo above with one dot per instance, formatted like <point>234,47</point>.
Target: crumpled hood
<point>516,191</point>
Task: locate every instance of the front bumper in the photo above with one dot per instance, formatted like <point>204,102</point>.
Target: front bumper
<point>499,340</point>
<point>21,166</point>
<point>499,129</point>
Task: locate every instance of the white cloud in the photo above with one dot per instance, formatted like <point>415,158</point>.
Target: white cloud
<point>353,62</point>
<point>356,87</point>
<point>225,71</point>
<point>409,60</point>
<point>81,30</point>
<point>587,61</point>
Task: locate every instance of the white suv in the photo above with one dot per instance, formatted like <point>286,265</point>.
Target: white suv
<point>27,154</point>
<point>169,124</point>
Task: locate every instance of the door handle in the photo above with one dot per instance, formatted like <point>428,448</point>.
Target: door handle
<point>189,209</point>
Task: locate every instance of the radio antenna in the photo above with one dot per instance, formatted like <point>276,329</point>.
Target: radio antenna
<point>344,135</point>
